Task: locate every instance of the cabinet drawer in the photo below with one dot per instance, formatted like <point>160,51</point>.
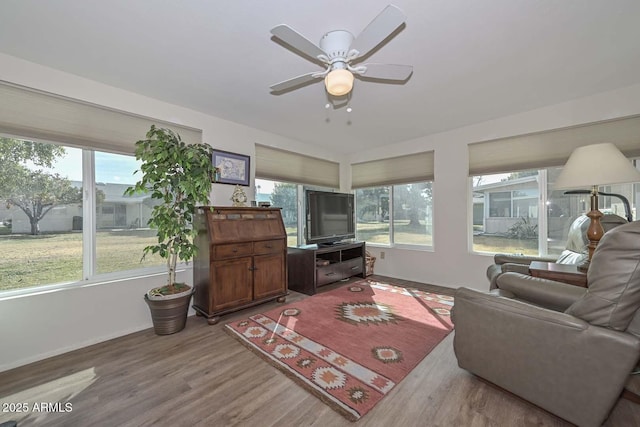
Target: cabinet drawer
<point>268,247</point>
<point>351,267</point>
<point>232,250</point>
<point>328,274</point>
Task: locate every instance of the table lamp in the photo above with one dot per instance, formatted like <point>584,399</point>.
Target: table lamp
<point>591,166</point>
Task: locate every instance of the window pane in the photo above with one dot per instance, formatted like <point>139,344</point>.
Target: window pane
<point>40,214</point>
<point>496,231</point>
<point>505,213</point>
<point>281,195</point>
<point>412,214</point>
<point>372,214</point>
<point>562,210</point>
<point>121,221</point>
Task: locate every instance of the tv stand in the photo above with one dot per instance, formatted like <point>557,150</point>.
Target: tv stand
<point>332,244</point>
<point>312,266</point>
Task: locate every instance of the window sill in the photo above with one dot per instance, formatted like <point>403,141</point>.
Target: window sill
<point>99,280</point>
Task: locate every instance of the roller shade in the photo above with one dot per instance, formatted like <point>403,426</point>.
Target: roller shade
<point>551,148</point>
<point>416,167</point>
<point>280,165</point>
<point>28,113</point>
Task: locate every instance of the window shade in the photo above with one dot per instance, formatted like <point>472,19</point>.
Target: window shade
<point>281,165</point>
<point>416,167</point>
<point>551,148</point>
<point>29,113</point>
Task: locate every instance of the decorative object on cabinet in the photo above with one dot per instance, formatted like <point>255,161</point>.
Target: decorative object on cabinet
<point>241,261</point>
<point>179,175</point>
<point>232,168</point>
<point>239,198</point>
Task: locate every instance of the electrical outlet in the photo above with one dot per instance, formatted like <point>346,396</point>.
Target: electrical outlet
<point>382,255</point>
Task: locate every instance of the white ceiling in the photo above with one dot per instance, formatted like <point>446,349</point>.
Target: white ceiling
<point>473,60</point>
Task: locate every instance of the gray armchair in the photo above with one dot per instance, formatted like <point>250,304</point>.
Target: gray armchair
<point>574,253</point>
<point>566,349</point>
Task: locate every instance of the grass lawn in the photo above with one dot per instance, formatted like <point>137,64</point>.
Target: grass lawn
<point>497,244</point>
<point>57,258</point>
<point>378,232</point>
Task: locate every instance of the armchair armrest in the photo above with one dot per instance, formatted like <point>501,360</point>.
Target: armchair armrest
<point>516,268</point>
<point>546,293</point>
<point>552,359</point>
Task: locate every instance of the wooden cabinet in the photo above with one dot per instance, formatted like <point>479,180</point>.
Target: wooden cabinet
<point>311,266</point>
<point>241,259</point>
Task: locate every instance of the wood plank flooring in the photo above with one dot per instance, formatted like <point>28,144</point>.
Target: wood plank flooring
<point>203,377</point>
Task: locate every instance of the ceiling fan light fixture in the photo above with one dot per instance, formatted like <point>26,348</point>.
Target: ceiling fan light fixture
<point>339,82</point>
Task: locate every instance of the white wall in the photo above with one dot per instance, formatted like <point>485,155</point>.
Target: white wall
<point>451,263</point>
<point>37,326</point>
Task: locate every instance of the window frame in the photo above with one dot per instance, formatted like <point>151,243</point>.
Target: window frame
<point>544,240</point>
<point>392,243</point>
<point>89,229</point>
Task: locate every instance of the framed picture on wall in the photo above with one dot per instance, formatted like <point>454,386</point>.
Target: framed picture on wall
<point>232,168</point>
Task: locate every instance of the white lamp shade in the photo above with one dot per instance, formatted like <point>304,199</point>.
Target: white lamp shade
<point>594,165</point>
<point>339,82</point>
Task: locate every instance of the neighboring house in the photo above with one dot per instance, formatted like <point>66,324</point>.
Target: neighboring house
<point>115,211</point>
<point>118,211</point>
<point>499,206</point>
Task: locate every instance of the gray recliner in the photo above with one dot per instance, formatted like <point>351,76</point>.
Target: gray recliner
<point>575,251</point>
<point>567,349</point>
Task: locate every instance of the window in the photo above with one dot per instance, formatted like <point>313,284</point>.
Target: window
<point>40,213</point>
<point>282,195</point>
<point>372,214</point>
<point>45,220</point>
<point>63,235</point>
<point>121,223</point>
<point>408,222</point>
<point>394,199</point>
<point>412,214</point>
<point>506,211</point>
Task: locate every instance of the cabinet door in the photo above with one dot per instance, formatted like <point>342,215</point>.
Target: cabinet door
<point>269,276</point>
<point>230,283</point>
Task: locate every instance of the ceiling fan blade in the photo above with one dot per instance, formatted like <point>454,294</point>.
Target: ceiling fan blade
<point>294,82</point>
<point>379,29</point>
<point>386,71</point>
<point>297,41</point>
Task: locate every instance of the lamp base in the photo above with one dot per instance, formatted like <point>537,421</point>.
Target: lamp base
<point>595,230</point>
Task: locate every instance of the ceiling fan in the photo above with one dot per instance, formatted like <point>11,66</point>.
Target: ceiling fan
<point>340,52</point>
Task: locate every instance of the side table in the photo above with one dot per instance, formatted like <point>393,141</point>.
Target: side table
<point>566,273</point>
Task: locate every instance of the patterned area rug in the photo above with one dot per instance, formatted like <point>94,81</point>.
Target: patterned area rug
<point>352,345</point>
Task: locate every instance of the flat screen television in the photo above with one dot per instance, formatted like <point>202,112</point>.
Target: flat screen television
<point>329,217</point>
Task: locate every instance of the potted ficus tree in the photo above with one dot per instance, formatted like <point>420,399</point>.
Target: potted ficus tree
<point>178,176</point>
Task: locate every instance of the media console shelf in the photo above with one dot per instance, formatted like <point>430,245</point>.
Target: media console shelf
<point>311,266</point>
